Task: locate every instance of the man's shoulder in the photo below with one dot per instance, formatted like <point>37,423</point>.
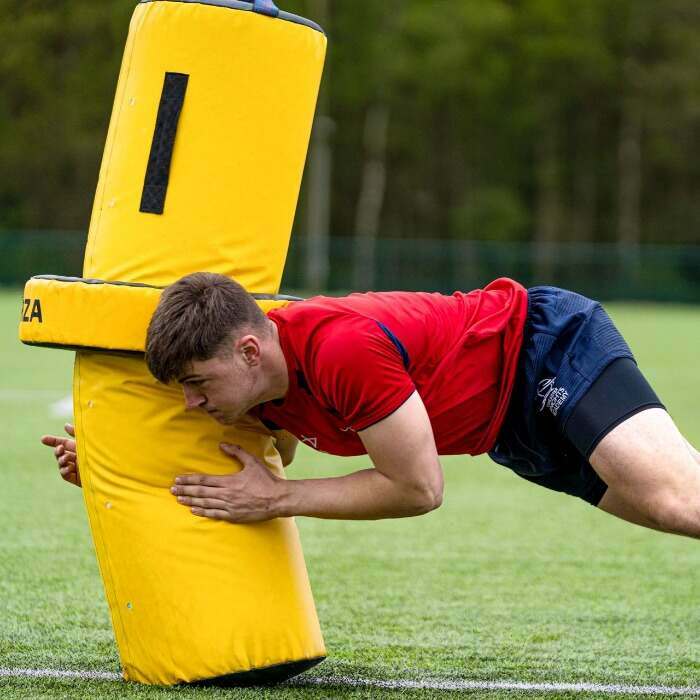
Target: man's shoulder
<point>323,328</point>
<point>315,313</point>
<point>355,305</point>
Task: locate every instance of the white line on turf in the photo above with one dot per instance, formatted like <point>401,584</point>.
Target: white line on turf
<point>603,688</point>
<point>349,681</point>
<point>62,408</point>
<point>58,673</point>
<point>58,407</point>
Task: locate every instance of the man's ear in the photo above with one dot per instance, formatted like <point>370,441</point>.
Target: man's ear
<point>249,348</point>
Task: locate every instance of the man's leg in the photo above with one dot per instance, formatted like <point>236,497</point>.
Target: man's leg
<point>693,451</point>
<point>652,473</point>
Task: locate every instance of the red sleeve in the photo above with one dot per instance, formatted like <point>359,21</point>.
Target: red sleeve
<point>360,372</point>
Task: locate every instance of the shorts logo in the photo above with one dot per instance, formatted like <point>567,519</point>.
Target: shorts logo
<point>552,397</point>
<point>310,440</point>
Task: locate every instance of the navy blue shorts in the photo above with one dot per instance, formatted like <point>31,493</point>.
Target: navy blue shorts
<point>569,341</point>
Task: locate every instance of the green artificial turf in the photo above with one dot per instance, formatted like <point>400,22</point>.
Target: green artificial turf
<point>506,581</point>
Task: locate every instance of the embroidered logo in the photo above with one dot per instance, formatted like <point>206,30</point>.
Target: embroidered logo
<point>313,441</point>
<point>553,397</point>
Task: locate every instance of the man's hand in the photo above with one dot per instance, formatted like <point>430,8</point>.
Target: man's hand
<point>249,496</point>
<point>406,480</point>
<point>66,454</point>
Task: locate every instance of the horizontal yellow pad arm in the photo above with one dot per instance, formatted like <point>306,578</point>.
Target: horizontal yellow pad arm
<point>80,314</point>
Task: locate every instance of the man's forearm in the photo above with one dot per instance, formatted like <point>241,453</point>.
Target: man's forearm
<point>363,495</point>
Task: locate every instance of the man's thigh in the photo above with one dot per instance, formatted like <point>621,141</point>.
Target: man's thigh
<point>651,473</point>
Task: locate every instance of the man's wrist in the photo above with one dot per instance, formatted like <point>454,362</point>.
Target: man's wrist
<point>285,500</point>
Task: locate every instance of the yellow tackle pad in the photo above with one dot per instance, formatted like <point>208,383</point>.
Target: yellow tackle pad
<point>73,313</point>
<point>206,146</point>
<point>190,598</point>
<point>201,172</point>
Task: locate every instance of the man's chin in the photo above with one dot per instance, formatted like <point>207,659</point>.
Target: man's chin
<point>224,420</point>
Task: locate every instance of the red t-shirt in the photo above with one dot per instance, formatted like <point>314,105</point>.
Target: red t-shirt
<point>354,360</point>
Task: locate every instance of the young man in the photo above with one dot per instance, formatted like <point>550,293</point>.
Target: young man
<point>540,379</point>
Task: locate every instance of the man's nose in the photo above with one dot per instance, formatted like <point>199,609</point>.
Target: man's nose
<point>193,398</point>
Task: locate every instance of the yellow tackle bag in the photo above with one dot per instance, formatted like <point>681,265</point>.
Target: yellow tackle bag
<point>201,171</point>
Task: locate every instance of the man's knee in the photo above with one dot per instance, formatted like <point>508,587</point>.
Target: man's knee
<point>675,512</point>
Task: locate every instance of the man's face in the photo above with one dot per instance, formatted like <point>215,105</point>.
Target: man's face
<point>225,386</point>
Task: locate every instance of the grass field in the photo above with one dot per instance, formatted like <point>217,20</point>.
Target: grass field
<point>506,582</point>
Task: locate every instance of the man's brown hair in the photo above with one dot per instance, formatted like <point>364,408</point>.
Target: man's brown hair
<point>193,319</point>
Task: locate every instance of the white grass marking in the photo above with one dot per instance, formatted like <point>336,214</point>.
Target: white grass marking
<point>58,673</point>
<point>602,688</point>
<point>349,681</point>
<point>62,408</point>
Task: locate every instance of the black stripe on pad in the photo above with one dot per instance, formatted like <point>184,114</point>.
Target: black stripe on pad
<point>155,184</point>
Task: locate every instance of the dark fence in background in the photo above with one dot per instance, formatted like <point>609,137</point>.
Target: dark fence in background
<point>27,253</point>
<point>603,271</point>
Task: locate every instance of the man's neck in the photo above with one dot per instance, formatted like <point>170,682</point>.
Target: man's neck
<point>277,370</point>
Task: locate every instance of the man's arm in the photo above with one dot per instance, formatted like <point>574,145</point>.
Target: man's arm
<point>286,445</point>
<point>407,480</point>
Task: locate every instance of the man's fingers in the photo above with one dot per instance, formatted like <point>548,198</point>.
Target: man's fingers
<point>213,513</point>
<point>229,449</point>
<point>199,480</point>
<point>67,458</point>
<point>196,491</point>
<point>63,455</point>
<point>237,452</point>
<point>70,474</point>
<point>202,502</point>
<point>67,444</point>
<point>56,441</point>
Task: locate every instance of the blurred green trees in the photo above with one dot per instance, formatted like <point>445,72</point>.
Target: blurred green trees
<point>59,63</point>
<point>542,120</point>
